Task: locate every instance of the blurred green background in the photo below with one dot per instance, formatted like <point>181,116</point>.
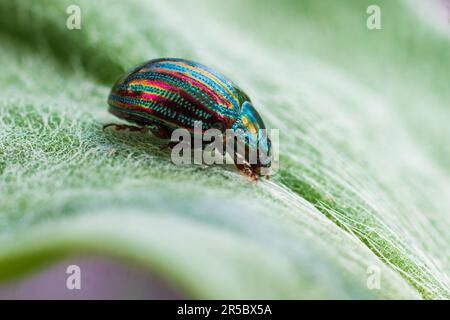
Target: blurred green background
<point>364,173</point>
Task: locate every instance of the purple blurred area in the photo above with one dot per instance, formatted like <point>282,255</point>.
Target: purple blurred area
<point>100,278</point>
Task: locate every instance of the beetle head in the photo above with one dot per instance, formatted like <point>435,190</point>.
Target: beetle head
<point>253,133</point>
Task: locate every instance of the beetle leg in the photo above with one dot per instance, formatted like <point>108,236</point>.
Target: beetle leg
<point>246,171</point>
<point>159,131</point>
<point>171,144</point>
<point>243,168</point>
<point>120,127</point>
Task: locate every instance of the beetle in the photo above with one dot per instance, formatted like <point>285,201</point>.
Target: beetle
<point>165,94</point>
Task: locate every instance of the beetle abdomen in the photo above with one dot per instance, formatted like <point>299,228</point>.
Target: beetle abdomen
<point>176,93</point>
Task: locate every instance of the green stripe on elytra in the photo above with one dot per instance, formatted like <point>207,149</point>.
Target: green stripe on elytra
<point>153,106</point>
<point>181,117</point>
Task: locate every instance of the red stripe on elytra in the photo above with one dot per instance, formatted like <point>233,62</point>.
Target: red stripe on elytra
<point>172,88</point>
<point>211,93</point>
